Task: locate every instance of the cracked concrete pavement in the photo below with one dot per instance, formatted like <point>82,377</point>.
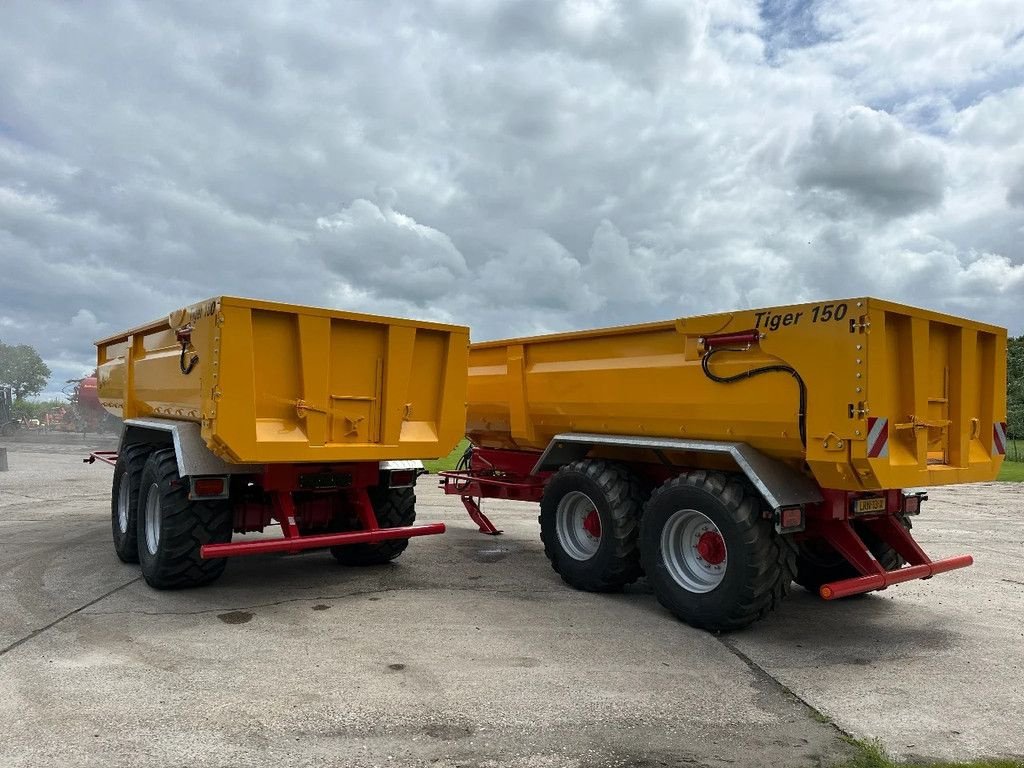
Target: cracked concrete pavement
<point>470,651</point>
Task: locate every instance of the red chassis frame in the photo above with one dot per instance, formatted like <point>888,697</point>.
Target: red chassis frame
<point>305,509</point>
<point>505,474</point>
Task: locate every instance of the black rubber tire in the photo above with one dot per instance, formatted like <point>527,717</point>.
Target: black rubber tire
<point>618,500</point>
<point>760,565</point>
<point>817,563</point>
<point>127,471</point>
<point>184,527</point>
<point>394,508</point>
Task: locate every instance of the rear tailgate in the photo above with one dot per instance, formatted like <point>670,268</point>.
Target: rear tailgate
<point>935,406</point>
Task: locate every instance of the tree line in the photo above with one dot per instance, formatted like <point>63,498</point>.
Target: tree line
<point>1015,394</point>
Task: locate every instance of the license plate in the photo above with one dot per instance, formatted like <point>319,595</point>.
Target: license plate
<point>867,506</point>
<point>325,480</point>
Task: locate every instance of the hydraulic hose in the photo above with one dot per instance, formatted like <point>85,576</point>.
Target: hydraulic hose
<point>705,364</point>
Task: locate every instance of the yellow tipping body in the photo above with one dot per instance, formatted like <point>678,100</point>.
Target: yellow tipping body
<point>286,383</point>
<point>939,380</point>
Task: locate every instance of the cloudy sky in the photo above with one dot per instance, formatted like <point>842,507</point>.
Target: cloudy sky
<point>517,166</point>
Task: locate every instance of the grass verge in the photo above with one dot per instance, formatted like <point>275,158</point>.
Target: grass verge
<point>448,462</point>
<point>1012,471</point>
<point>871,755</point>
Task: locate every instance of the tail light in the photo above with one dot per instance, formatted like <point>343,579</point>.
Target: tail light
<point>912,502</point>
<point>208,488</point>
<point>402,478</point>
<point>789,520</point>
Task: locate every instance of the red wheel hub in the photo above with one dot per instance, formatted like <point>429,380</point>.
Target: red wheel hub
<point>711,548</point>
<point>592,524</point>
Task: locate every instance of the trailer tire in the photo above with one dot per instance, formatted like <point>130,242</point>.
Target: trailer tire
<point>172,529</point>
<point>711,557</point>
<point>576,497</point>
<point>818,564</point>
<point>393,508</point>
<point>124,500</point>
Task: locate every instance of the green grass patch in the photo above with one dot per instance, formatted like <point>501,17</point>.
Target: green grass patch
<point>1015,450</point>
<point>448,462</point>
<point>1012,471</point>
<point>871,755</point>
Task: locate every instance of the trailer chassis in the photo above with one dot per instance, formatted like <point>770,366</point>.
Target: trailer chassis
<point>801,510</point>
<point>266,495</point>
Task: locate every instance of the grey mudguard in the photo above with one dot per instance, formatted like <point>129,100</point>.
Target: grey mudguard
<point>778,483</point>
<point>194,458</point>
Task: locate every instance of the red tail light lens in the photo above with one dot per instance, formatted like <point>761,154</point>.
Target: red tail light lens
<point>402,478</point>
<point>792,518</point>
<point>912,504</point>
<point>208,486</point>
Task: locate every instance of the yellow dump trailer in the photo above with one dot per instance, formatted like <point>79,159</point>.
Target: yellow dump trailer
<point>802,424</point>
<point>239,412</point>
<point>274,382</point>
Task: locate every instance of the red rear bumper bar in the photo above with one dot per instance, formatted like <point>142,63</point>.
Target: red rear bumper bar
<point>859,584</point>
<point>888,530</point>
<point>318,541</point>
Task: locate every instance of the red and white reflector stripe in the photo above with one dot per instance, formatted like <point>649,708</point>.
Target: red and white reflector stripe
<point>999,438</point>
<point>878,438</point>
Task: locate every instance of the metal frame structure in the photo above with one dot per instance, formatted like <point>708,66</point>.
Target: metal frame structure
<point>265,495</point>
<point>827,514</point>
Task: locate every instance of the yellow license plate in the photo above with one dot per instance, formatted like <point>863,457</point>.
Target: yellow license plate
<point>866,506</point>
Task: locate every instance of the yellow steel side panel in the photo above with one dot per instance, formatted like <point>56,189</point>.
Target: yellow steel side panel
<point>151,384</point>
<point>285,383</point>
<point>647,380</point>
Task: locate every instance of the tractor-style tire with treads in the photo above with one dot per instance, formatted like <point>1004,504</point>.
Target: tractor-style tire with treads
<point>124,500</point>
<point>752,571</point>
<point>818,563</point>
<point>393,508</point>
<point>609,491</point>
<point>170,559</point>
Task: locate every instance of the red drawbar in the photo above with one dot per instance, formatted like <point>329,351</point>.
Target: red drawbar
<point>495,474</point>
<point>107,457</point>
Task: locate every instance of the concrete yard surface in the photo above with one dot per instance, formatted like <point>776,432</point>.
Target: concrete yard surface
<point>470,651</point>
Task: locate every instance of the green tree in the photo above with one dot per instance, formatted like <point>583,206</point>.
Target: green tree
<point>1015,387</point>
<point>22,370</point>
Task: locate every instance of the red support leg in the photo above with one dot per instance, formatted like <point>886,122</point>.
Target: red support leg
<point>892,532</point>
<point>284,511</point>
<point>478,517</point>
<point>844,539</point>
<point>360,499</point>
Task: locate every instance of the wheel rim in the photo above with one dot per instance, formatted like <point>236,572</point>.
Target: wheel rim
<point>578,525</point>
<point>124,495</point>
<point>694,551</point>
<point>153,519</point>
